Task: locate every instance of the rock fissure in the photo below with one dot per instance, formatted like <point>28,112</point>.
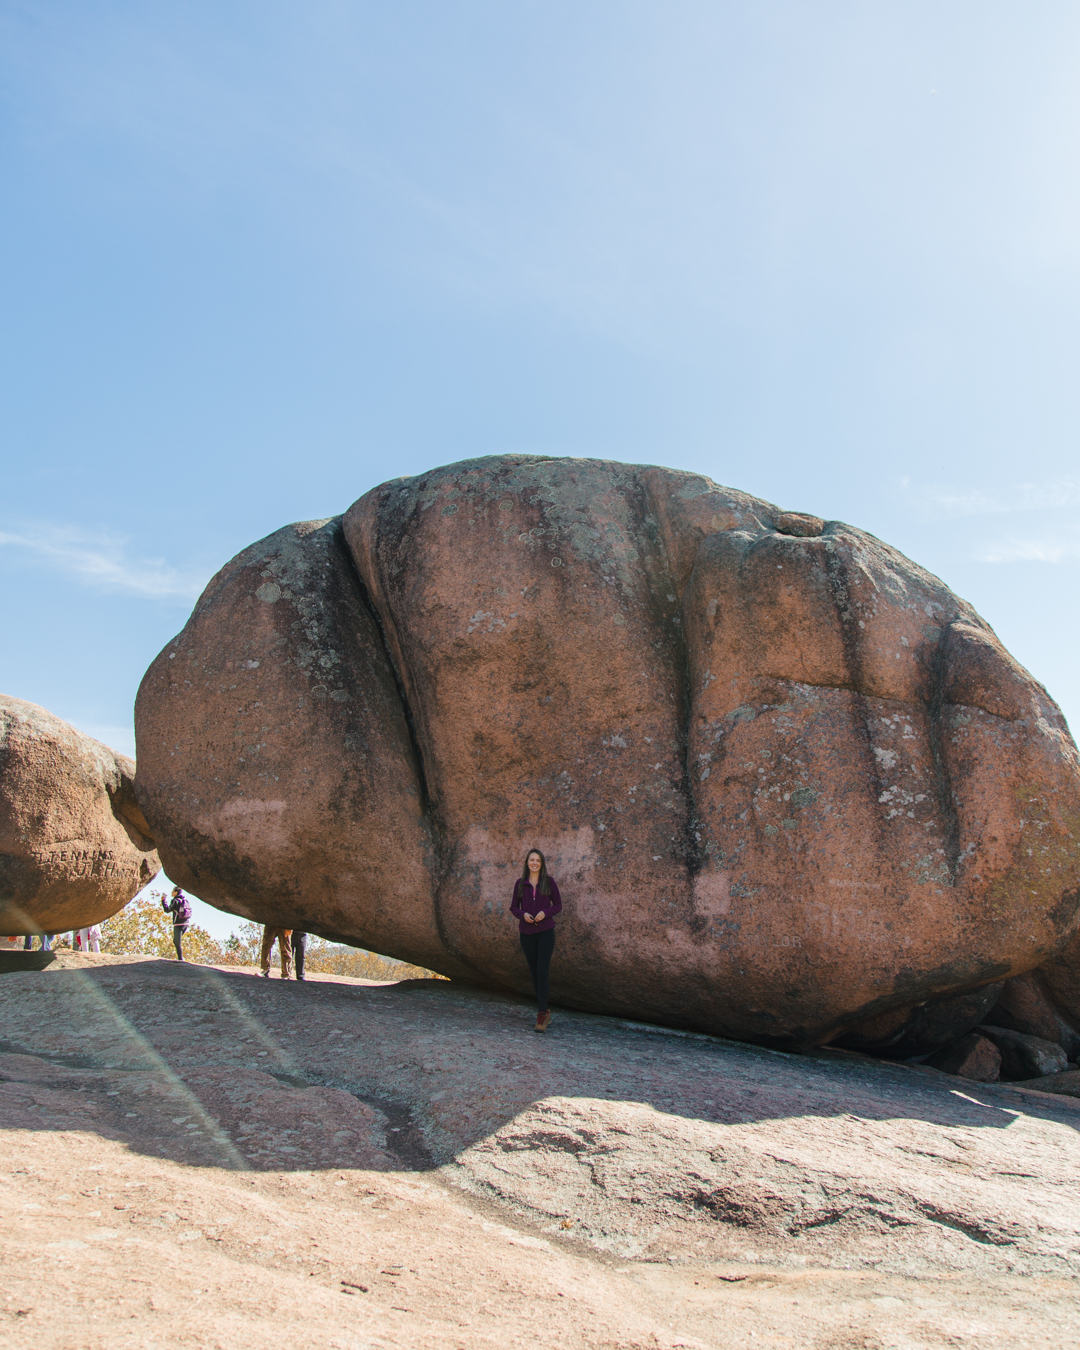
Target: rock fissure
<point>403,697</point>
<point>942,777</point>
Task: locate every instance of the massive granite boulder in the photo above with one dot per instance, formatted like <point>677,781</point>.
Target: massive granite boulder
<point>791,786</point>
<point>74,846</point>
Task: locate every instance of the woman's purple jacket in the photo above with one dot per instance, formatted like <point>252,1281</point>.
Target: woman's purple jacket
<point>525,902</point>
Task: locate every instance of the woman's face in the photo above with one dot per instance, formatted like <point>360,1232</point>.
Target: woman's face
<point>535,862</point>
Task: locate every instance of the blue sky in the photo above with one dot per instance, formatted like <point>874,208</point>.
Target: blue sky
<point>260,256</point>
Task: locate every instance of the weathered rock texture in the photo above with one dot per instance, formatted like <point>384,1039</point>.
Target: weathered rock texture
<point>789,783</point>
<point>74,846</point>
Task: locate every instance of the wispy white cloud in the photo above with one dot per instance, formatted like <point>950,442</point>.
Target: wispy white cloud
<point>102,560</point>
<point>1051,541</point>
<point>1047,550</point>
<point>949,502</point>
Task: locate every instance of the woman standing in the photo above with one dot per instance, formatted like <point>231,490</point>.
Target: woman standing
<point>536,902</point>
<point>180,910</point>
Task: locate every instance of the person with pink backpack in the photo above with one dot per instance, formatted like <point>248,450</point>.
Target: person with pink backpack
<point>180,908</point>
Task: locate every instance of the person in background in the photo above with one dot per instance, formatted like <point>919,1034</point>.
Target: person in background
<point>282,936</point>
<point>93,938</point>
<point>179,907</point>
<point>299,950</point>
<point>46,942</point>
<point>535,903</point>
<point>82,937</point>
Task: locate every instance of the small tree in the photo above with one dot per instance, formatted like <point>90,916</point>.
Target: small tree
<point>243,947</point>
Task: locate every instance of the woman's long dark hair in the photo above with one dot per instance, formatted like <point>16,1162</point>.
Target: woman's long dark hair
<point>542,887</point>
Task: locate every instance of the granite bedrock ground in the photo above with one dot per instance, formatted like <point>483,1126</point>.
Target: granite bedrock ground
<point>194,1156</point>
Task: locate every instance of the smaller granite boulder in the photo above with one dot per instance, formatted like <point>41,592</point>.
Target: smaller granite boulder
<point>74,846</point>
<point>973,1056</point>
<point>1024,1006</point>
<point>1024,1056</point>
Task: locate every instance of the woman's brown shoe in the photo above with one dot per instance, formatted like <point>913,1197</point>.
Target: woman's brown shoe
<point>542,1020</point>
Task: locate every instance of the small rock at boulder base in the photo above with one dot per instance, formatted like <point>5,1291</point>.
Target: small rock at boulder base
<point>973,1056</point>
<point>786,780</point>
<point>1024,1005</point>
<point>1024,1056</point>
<point>1065,1084</point>
<point>74,845</point>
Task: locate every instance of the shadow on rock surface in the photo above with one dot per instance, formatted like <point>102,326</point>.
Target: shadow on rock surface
<point>639,1142</point>
<point>12,962</point>
<point>214,1117</point>
<point>276,1075</point>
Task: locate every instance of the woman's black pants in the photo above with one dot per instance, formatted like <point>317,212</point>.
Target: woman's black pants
<point>538,948</point>
<point>178,931</point>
